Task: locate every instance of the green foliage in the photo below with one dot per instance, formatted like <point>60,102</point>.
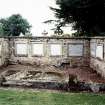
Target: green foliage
<point>1,30</point>
<point>14,25</point>
<point>86,16</point>
<point>58,31</point>
<point>57,26</point>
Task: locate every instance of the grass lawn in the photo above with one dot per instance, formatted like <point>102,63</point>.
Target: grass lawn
<point>28,97</point>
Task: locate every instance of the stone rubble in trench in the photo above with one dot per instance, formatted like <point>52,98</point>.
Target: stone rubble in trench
<point>42,73</point>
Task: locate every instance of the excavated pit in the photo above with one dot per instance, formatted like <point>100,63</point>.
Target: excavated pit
<point>43,76</point>
<point>34,75</point>
<point>51,77</point>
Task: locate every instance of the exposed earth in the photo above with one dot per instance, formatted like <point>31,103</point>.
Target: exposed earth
<point>49,73</point>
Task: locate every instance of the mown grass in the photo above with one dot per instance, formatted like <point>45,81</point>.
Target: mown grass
<point>24,97</point>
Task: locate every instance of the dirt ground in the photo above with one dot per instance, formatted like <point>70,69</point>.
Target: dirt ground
<point>84,74</point>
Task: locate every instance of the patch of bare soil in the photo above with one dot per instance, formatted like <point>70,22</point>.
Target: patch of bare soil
<point>86,74</point>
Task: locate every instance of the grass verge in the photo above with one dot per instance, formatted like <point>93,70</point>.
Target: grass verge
<point>27,97</point>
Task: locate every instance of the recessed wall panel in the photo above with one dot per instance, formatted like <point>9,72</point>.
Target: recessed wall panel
<point>99,51</point>
<point>37,49</point>
<point>56,49</point>
<point>0,49</point>
<point>75,49</point>
<point>93,49</point>
<point>21,49</point>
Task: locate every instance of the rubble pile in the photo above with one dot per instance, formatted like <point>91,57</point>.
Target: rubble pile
<point>28,71</point>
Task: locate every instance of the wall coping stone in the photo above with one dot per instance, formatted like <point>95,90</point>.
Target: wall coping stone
<point>51,37</point>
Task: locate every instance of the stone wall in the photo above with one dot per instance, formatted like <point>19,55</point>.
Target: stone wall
<point>54,51</point>
<point>97,56</point>
<point>4,51</point>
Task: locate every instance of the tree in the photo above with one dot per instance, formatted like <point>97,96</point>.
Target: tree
<point>1,30</point>
<point>86,16</point>
<point>57,26</point>
<point>58,31</point>
<point>14,25</point>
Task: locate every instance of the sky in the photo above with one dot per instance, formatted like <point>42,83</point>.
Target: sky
<point>35,11</point>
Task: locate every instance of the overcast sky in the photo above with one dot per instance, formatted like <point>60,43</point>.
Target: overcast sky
<point>35,11</point>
